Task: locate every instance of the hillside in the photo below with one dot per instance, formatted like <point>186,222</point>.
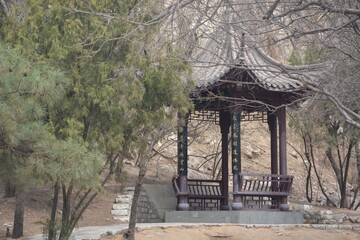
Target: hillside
<point>255,158</point>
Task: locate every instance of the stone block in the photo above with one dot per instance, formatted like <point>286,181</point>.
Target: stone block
<point>345,227</point>
<point>301,208</point>
<point>153,216</point>
<point>354,219</point>
<point>143,210</point>
<point>332,226</point>
<point>123,199</point>
<point>142,204</point>
<point>319,226</point>
<point>121,218</point>
<point>120,206</point>
<point>120,212</point>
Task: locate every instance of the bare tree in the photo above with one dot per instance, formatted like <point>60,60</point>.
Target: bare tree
<point>334,26</point>
<point>327,135</point>
<point>330,27</point>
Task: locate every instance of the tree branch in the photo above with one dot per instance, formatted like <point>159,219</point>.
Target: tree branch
<point>271,10</point>
<point>4,7</point>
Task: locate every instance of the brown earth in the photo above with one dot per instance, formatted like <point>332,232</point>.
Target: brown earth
<point>234,232</point>
<point>37,209</point>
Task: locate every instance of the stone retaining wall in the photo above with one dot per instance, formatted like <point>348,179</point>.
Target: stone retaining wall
<point>323,216</point>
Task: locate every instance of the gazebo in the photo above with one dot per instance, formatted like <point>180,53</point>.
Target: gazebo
<point>236,81</point>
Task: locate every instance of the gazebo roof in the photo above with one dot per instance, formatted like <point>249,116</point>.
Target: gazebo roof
<point>229,48</point>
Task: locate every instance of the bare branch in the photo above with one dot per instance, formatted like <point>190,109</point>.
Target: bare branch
<point>271,10</point>
<point>4,7</point>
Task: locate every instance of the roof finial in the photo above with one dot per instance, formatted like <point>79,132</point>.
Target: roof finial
<point>242,47</point>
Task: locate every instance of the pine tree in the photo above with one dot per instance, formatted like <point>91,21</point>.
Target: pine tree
<point>120,87</point>
<point>26,91</point>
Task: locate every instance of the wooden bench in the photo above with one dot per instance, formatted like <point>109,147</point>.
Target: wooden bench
<point>201,194</point>
<point>263,190</point>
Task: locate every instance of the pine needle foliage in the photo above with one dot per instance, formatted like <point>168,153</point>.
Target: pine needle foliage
<point>124,87</point>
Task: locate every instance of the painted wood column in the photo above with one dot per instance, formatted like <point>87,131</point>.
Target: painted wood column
<point>282,151</point>
<point>183,203</point>
<point>236,158</point>
<point>225,122</point>
<point>272,121</point>
<point>282,140</point>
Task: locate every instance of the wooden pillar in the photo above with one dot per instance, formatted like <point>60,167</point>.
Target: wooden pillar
<point>183,203</point>
<point>225,121</point>
<point>272,121</point>
<point>282,140</point>
<point>236,158</point>
<point>282,151</point>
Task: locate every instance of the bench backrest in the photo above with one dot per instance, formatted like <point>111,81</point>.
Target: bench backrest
<point>199,187</point>
<point>204,187</point>
<point>255,182</point>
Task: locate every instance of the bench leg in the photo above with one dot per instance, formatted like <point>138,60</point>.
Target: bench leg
<point>224,205</point>
<point>284,206</point>
<point>237,200</point>
<point>183,200</point>
<point>237,203</point>
<point>183,204</point>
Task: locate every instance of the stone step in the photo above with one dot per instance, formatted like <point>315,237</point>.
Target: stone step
<point>124,212</point>
<point>121,218</point>
<point>121,208</point>
<point>126,199</point>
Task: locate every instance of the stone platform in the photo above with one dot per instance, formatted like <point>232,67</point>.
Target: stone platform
<point>158,203</point>
<point>238,217</point>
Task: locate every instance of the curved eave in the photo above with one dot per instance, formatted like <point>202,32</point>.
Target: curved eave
<point>222,52</point>
<point>275,76</point>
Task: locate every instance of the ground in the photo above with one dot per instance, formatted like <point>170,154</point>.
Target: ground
<point>234,232</point>
<point>98,214</point>
<point>37,210</point>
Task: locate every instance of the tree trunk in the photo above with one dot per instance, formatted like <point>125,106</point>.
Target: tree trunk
<point>334,166</point>
<point>132,222</point>
<point>66,229</point>
<point>344,203</point>
<point>52,228</point>
<point>10,189</point>
<point>18,229</point>
<point>357,151</point>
